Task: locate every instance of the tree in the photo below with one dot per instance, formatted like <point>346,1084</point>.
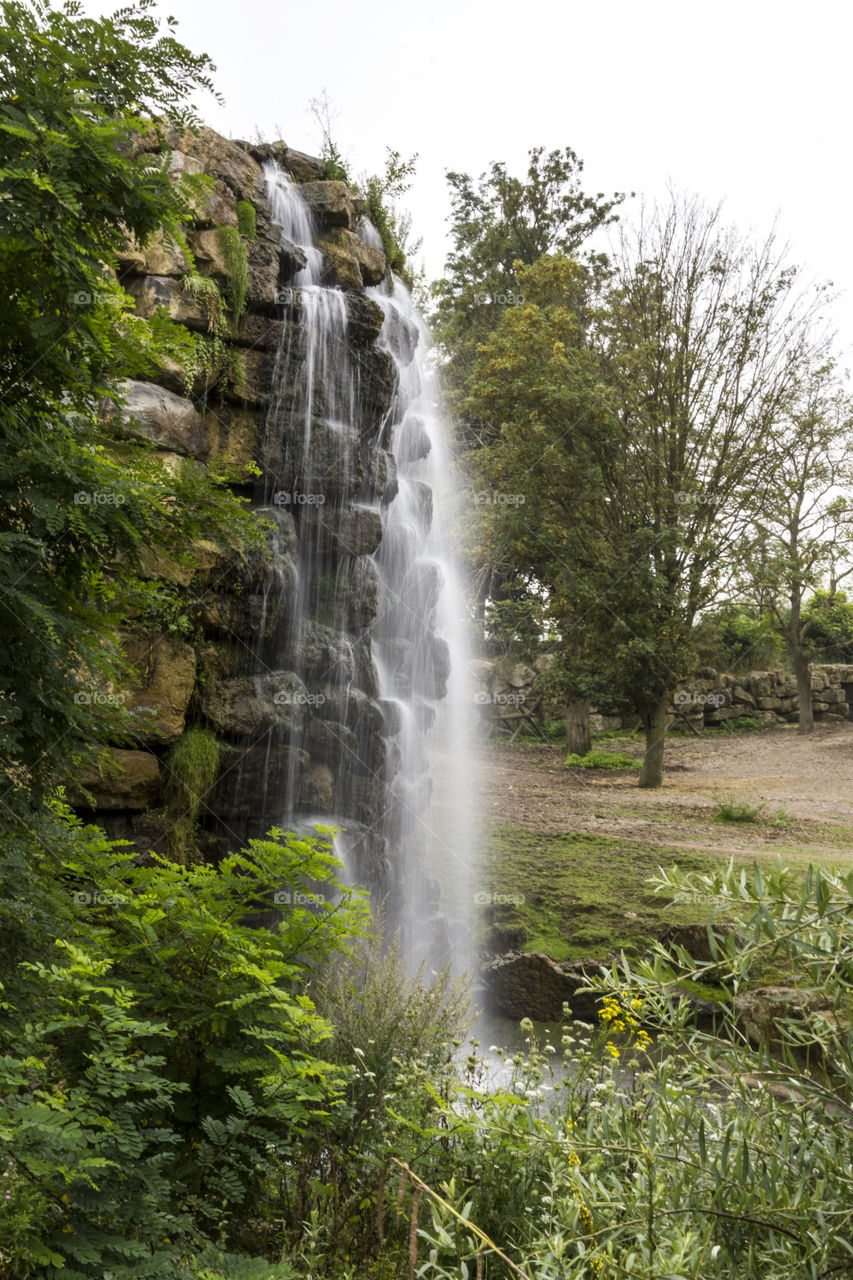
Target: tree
<point>803,520</point>
<point>634,435</point>
<point>500,223</point>
<point>75,181</point>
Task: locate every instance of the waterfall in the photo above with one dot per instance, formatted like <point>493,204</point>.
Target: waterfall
<point>373,628</point>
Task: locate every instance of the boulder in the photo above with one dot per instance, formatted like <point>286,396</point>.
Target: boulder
<point>206,247</point>
<point>154,414</point>
<point>126,780</point>
<point>760,1008</point>
<point>303,168</point>
<point>329,202</point>
<point>153,293</point>
<point>166,672</point>
<point>268,263</point>
<point>340,267</point>
<point>221,158</point>
<point>159,257</point>
<point>364,319</point>
<point>234,433</point>
<point>529,984</point>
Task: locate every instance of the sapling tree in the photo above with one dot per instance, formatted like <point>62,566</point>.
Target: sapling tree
<point>802,514</point>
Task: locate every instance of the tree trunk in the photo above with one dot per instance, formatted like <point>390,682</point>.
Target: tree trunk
<point>578,740</point>
<point>801,665</point>
<point>804,691</point>
<point>655,724</point>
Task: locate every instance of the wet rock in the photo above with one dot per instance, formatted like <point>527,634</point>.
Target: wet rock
<point>354,531</point>
<point>413,442</point>
<point>317,791</point>
<point>364,319</point>
<point>246,706</point>
<point>380,477</point>
<point>349,598</point>
<point>252,780</point>
<point>306,472</point>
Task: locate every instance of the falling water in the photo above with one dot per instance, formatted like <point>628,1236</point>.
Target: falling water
<point>374,628</point>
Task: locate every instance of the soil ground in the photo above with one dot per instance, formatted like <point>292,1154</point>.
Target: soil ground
<point>577,846</point>
<point>809,777</point>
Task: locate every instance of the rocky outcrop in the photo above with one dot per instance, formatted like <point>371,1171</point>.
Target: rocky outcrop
<point>294,707</point>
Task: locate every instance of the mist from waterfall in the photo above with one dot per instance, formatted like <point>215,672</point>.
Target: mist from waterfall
<point>412,655</point>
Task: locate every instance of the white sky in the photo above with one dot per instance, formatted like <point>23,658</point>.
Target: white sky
<point>748,102</point>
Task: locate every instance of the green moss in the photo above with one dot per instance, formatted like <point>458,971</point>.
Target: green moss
<point>237,265</point>
<point>192,766</point>
<point>247,219</point>
<point>580,895</point>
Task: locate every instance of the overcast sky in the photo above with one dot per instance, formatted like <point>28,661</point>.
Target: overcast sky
<point>747,102</point>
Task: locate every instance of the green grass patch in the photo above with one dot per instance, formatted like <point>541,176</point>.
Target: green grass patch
<point>731,809</point>
<point>579,895</point>
<point>599,758</point>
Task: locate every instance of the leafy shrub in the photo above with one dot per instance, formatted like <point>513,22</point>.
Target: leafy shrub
<point>158,1055</point>
<point>710,1156</point>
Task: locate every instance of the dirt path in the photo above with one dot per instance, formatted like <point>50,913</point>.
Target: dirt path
<point>811,778</point>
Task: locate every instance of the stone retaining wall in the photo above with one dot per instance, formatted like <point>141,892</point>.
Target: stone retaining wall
<point>506,693</point>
